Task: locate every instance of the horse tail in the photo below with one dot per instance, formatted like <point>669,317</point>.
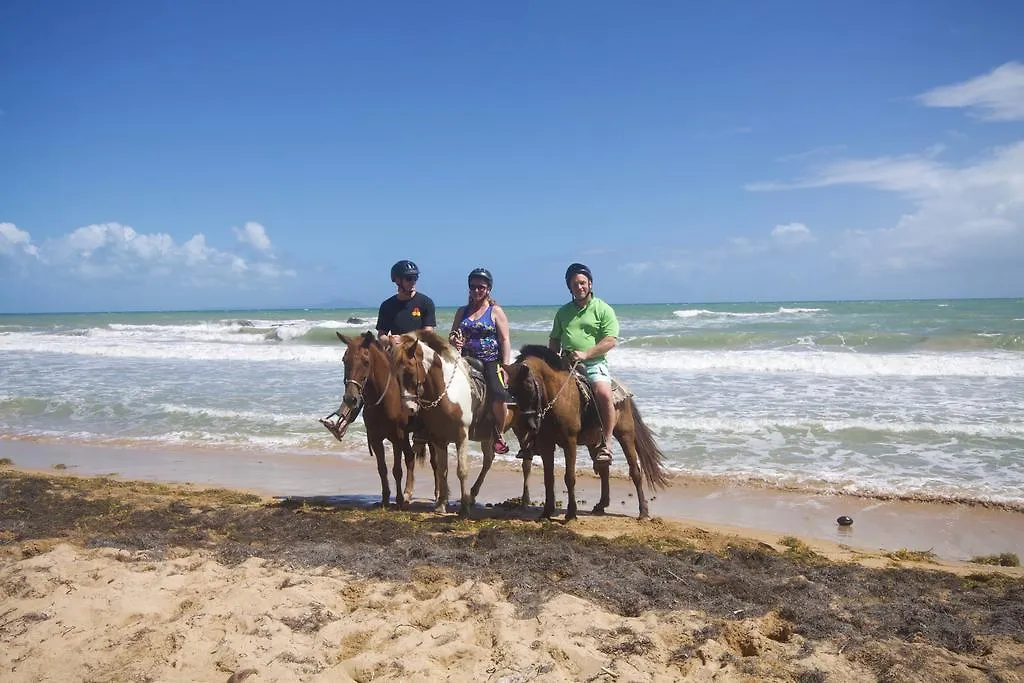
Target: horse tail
<point>652,460</point>
<point>420,449</point>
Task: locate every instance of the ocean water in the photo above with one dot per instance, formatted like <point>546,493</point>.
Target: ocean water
<point>921,399</point>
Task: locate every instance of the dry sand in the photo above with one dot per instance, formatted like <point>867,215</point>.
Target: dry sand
<point>103,579</point>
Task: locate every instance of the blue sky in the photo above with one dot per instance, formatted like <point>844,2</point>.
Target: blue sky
<point>172,155</point>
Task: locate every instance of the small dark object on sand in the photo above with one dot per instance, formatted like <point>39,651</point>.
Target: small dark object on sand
<point>845,521</point>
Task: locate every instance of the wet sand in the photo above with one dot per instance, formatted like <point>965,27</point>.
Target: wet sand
<point>952,531</point>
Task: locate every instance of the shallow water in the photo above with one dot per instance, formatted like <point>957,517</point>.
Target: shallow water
<point>909,398</point>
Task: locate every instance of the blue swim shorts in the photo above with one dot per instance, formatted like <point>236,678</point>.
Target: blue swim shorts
<point>597,371</point>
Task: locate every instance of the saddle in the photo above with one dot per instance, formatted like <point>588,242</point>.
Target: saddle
<point>620,393</point>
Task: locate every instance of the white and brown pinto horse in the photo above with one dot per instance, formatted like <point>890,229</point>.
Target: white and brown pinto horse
<point>437,386</point>
<point>371,386</point>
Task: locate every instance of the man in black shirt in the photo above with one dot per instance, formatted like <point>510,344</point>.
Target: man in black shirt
<point>407,310</point>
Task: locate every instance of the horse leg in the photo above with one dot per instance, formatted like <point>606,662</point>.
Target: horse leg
<point>439,456</point>
<point>524,502</point>
<point>433,467</point>
<point>410,467</point>
<point>488,450</point>
<point>547,457</point>
<point>603,471</point>
<point>570,479</point>
<point>629,448</point>
<point>462,469</point>
<point>377,448</point>
<point>396,471</point>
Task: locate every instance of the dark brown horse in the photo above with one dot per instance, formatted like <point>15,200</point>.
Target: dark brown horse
<point>551,414</point>
<point>438,386</point>
<point>370,385</point>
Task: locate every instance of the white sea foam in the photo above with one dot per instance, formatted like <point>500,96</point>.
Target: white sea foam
<point>247,415</point>
<point>198,346</point>
<point>768,425</point>
<point>827,363</point>
<point>781,311</point>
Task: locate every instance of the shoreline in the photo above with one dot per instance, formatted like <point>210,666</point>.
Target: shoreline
<point>951,530</point>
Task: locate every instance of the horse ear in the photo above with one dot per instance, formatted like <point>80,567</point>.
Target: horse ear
<point>342,337</point>
<point>514,372</point>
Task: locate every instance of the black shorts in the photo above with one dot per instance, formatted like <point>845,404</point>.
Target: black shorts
<point>496,389</point>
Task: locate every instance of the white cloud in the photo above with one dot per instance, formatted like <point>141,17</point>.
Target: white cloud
<point>995,96</point>
<point>909,173</point>
<point>792,234</point>
<point>117,252</point>
<point>972,213</point>
<point>253,234</point>
<point>967,220</point>
<point>14,241</point>
<point>637,268</point>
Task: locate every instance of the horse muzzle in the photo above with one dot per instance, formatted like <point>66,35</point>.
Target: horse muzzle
<point>410,404</point>
<point>346,414</point>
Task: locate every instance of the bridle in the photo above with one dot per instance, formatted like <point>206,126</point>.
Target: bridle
<point>361,388</point>
<point>420,383</point>
<point>338,428</point>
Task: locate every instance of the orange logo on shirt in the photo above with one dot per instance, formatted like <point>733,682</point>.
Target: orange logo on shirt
<point>415,313</point>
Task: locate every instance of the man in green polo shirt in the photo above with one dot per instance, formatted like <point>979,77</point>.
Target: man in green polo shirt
<point>586,329</point>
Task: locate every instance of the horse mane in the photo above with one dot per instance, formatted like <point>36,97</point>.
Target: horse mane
<point>544,353</point>
<point>438,344</point>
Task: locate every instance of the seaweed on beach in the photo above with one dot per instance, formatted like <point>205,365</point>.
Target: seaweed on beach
<point>813,597</point>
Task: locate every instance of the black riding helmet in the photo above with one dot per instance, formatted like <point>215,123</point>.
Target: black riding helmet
<point>481,273</point>
<point>577,269</point>
<point>404,268</point>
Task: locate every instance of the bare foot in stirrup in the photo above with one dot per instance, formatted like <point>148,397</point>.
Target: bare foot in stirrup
<point>603,455</point>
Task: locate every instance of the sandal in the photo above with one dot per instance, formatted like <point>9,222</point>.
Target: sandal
<point>500,447</point>
<point>604,454</point>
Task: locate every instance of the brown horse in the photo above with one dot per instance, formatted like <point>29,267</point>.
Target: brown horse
<point>370,382</point>
<point>438,386</point>
<point>552,414</point>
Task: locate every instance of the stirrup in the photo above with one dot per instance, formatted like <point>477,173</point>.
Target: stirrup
<point>603,455</point>
<point>500,447</point>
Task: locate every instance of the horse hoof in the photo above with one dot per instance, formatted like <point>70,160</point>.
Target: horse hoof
<point>598,509</point>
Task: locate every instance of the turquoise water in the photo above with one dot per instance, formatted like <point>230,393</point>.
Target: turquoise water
<point>906,398</point>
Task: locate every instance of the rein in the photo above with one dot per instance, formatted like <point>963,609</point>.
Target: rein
<point>433,404</point>
<point>542,413</point>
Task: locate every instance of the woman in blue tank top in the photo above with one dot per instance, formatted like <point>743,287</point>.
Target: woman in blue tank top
<point>480,330</point>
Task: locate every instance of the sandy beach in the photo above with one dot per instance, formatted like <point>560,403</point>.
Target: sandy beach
<point>951,531</point>
<point>108,579</point>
